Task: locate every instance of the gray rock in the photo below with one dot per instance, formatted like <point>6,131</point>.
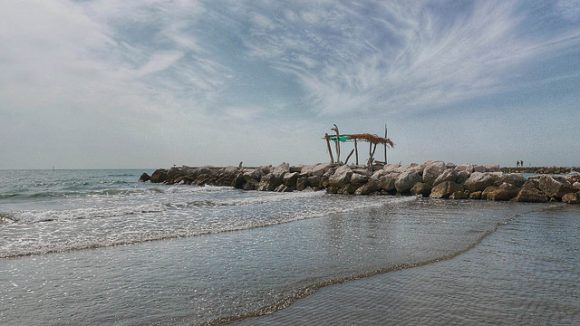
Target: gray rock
<point>144,177</point>
<point>432,171</point>
<point>301,183</point>
<point>464,167</point>
<point>281,169</point>
<point>160,175</point>
<point>406,181</point>
<point>422,189</point>
<point>462,176</point>
<point>391,168</point>
<point>447,175</point>
<point>478,181</point>
<point>516,179</point>
<point>554,187</point>
<point>318,169</point>
<point>368,188</point>
<point>491,168</point>
<point>445,189</point>
<point>531,194</point>
<point>289,179</point>
<point>387,182</point>
<point>270,182</point>
<point>358,179</point>
<point>504,192</point>
<point>341,177</point>
<point>576,186</point>
<point>479,168</point>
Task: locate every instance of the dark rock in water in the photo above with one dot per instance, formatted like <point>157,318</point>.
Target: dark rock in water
<point>445,189</point>
<point>571,198</point>
<point>239,181</point>
<point>459,195</point>
<point>302,183</point>
<point>504,192</point>
<point>289,179</point>
<point>421,188</point>
<point>406,181</point>
<point>144,177</point>
<point>531,194</point>
<point>478,181</point>
<point>160,175</point>
<point>269,182</point>
<point>554,187</point>
<point>475,195</point>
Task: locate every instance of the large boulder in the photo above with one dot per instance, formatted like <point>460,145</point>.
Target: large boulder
<point>503,192</point>
<point>289,179</point>
<point>341,177</point>
<point>445,189</point>
<point>576,186</point>
<point>144,177</point>
<point>387,182</point>
<point>318,169</point>
<point>358,179</point>
<point>160,175</point>
<point>368,188</point>
<point>422,189</point>
<point>432,171</point>
<point>571,198</point>
<point>554,187</point>
<point>491,168</point>
<point>531,194</point>
<point>270,182</point>
<point>516,179</point>
<point>281,169</point>
<point>406,181</point>
<point>391,167</point>
<point>464,167</point>
<point>478,181</point>
<point>447,175</point>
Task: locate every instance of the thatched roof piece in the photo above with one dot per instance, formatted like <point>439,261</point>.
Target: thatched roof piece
<point>374,139</point>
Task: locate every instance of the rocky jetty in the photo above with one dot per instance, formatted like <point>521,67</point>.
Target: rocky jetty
<point>434,179</point>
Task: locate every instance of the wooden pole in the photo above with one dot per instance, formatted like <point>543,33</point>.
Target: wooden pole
<point>385,144</point>
<point>348,157</point>
<point>329,148</point>
<point>337,144</point>
<point>356,152</point>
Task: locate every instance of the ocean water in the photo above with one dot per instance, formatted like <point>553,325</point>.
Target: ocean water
<point>97,247</point>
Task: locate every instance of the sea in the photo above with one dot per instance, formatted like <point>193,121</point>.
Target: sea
<point>97,247</point>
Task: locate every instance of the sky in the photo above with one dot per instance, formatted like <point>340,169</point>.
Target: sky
<point>153,83</point>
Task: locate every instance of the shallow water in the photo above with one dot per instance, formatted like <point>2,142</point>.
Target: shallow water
<point>282,247</point>
<point>526,273</point>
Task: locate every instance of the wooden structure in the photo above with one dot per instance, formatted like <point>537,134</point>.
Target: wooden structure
<point>372,139</point>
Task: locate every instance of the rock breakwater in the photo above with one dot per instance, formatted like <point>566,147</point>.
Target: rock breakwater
<point>434,179</point>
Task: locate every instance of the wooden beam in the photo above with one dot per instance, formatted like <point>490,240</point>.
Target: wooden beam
<point>356,151</point>
<point>348,157</point>
<point>329,148</point>
<point>337,144</point>
<point>386,143</point>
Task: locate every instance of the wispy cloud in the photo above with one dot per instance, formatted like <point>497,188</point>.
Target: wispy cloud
<point>399,55</point>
